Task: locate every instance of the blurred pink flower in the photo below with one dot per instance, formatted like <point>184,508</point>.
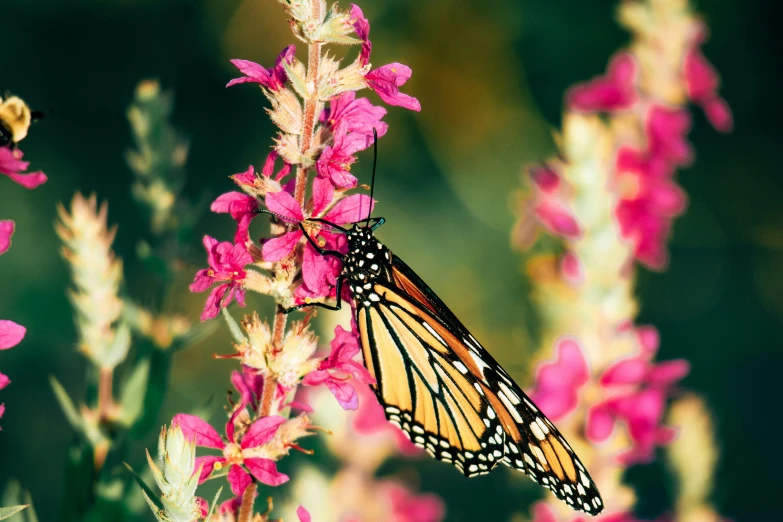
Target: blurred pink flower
<point>242,207</point>
<point>572,270</point>
<point>273,79</point>
<point>637,390</point>
<point>319,273</point>
<point>226,263</point>
<point>550,208</point>
<point>303,514</point>
<point>11,334</point>
<point>359,114</point>
<point>542,512</point>
<point>386,82</point>
<point>336,370</point>
<point>237,455</point>
<point>614,91</point>
<point>558,382</point>
<point>370,419</point>
<point>406,506</point>
<point>362,27</point>
<point>6,231</point>
<point>11,165</point>
<point>667,136</point>
<point>702,82</point>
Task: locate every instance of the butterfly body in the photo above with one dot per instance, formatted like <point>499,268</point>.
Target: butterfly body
<point>440,386</point>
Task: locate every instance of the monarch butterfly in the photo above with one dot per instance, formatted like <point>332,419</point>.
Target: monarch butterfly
<point>437,383</point>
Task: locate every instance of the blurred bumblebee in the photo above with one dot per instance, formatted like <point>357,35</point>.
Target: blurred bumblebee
<point>15,120</point>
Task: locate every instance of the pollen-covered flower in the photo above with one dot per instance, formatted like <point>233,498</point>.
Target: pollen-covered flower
<point>11,165</point>
<point>246,455</point>
<point>226,263</point>
<point>336,370</point>
<point>273,79</point>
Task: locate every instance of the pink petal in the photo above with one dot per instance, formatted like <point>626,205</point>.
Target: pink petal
<point>6,231</point>
<point>629,371</point>
<point>2,411</point>
<point>262,431</point>
<point>198,429</point>
<point>669,372</point>
<point>234,203</point>
<point>214,302</point>
<point>238,479</point>
<point>649,339</point>
<point>701,79</point>
<point>572,269</point>
<point>253,73</point>
<point>284,204</point>
<point>4,381</point>
<point>558,382</point>
<point>545,178</point>
<point>718,113</point>
<point>323,194</point>
<point>557,218</point>
<point>600,423</point>
<point>301,512</point>
<point>352,209</point>
<point>612,92</point>
<point>344,393</point>
<point>543,513</point>
<point>245,178</point>
<point>319,272</point>
<point>207,464</point>
<point>278,248</point>
<point>265,471</point>
<point>202,280</point>
<point>386,80</point>
<point>29,180</point>
<point>11,334</point>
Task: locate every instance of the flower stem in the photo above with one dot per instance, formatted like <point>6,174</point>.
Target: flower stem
<point>311,104</point>
<point>105,400</point>
<point>248,499</point>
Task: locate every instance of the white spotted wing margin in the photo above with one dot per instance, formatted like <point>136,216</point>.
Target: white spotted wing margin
<point>430,335</point>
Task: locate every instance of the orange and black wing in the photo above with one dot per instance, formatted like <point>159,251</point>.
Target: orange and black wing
<point>451,397</point>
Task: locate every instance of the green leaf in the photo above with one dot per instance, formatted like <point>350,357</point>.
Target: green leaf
<point>133,393</point>
<point>157,383</point>
<point>214,503</point>
<point>79,477</point>
<point>119,347</point>
<point>236,331</point>
<point>6,512</point>
<point>66,404</point>
<point>151,496</point>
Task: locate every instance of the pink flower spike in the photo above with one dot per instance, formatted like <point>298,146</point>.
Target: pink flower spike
<point>615,91</point>
<point>199,430</point>
<point>273,79</point>
<point>558,382</point>
<point>6,231</point>
<point>386,82</point>
<point>226,263</point>
<point>11,165</point>
<point>362,27</point>
<point>303,514</point>
<point>242,207</point>
<point>11,334</point>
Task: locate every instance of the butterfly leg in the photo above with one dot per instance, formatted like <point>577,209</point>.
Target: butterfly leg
<point>338,303</point>
<point>319,249</point>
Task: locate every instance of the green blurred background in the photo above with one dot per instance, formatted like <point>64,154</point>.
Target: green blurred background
<point>490,77</point>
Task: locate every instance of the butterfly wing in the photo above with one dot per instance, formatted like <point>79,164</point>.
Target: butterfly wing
<point>450,395</point>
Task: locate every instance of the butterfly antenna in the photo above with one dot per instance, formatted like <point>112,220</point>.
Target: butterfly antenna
<point>374,163</point>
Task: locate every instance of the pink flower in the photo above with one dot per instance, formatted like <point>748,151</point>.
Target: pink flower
<point>370,419</point>
<point>542,512</point>
<point>226,263</point>
<point>273,79</point>
<point>242,208</point>
<point>303,514</point>
<point>614,91</point>
<point>362,27</point>
<point>319,273</point>
<point>386,82</point>
<point>558,382</point>
<point>6,231</point>
<point>702,82</point>
<point>637,390</point>
<point>409,507</point>
<point>550,208</point>
<point>336,159</point>
<point>11,334</point>
<point>360,115</point>
<point>239,455</point>
<point>11,165</point>
<point>339,367</point>
<point>667,135</point>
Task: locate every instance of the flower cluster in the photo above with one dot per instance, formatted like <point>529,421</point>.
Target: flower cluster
<point>11,165</point>
<point>611,197</point>
<point>323,124</point>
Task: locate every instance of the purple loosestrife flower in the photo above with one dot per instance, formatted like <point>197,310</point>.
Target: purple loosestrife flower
<point>336,159</point>
<point>339,367</point>
<point>362,27</point>
<point>386,82</point>
<point>273,79</point>
<point>242,208</point>
<point>226,263</point>
<point>11,165</point>
<point>360,115</point>
<point>558,382</point>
